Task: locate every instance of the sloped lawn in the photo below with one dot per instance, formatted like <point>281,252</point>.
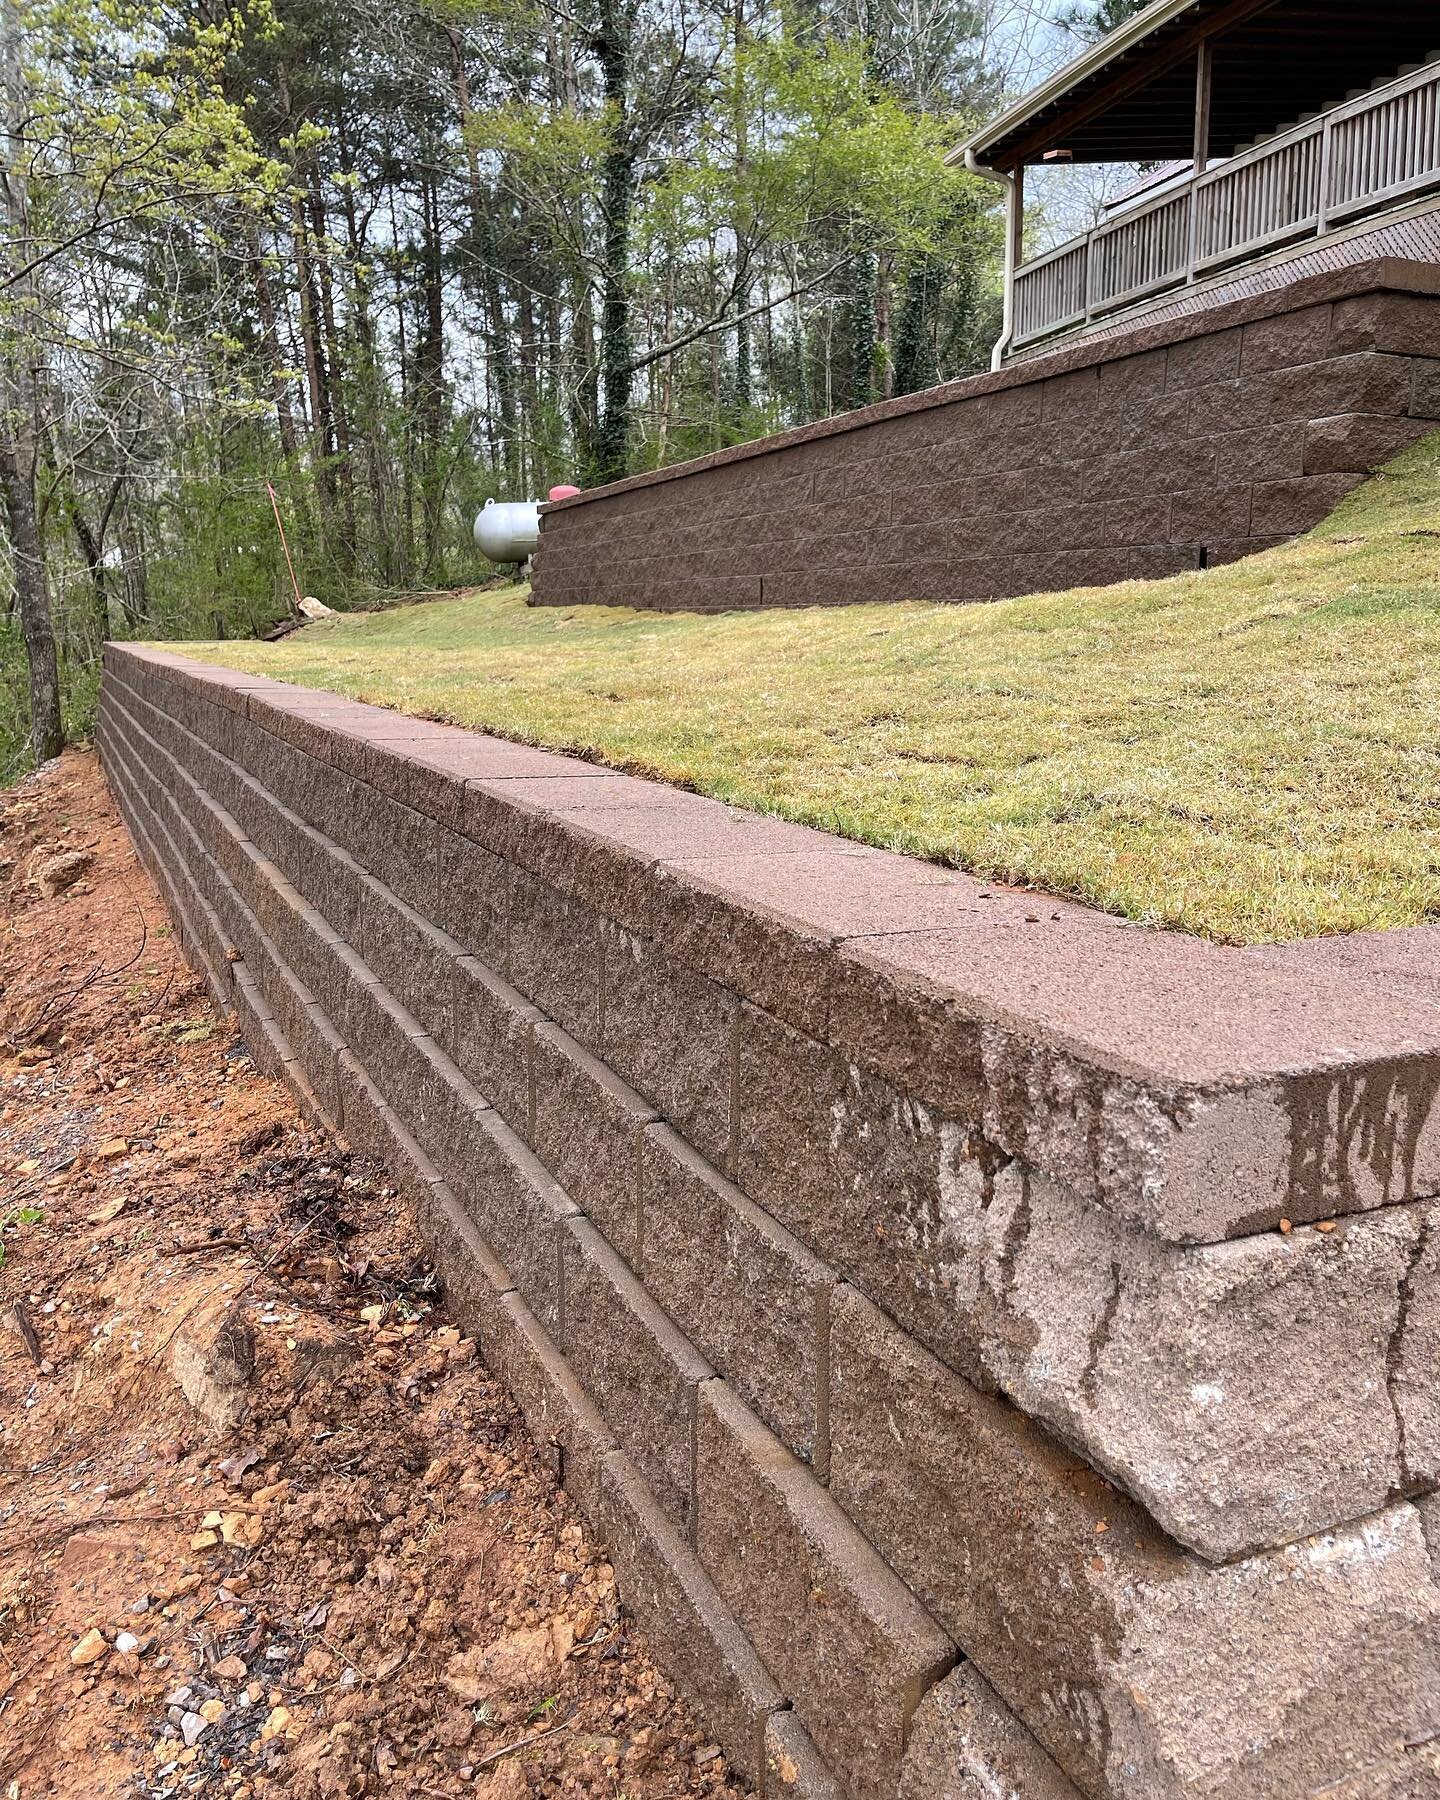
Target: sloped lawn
<point>1252,753</point>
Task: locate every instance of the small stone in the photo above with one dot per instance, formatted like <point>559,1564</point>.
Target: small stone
<point>244,1529</point>
<point>128,1644</point>
<point>276,1721</point>
<point>60,872</point>
<point>112,1148</point>
<point>205,1540</point>
<point>231,1668</point>
<point>372,1315</point>
<point>90,1648</point>
<point>213,1711</point>
<point>193,1727</point>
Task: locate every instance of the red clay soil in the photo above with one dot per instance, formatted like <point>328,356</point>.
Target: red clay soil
<point>340,1564</point>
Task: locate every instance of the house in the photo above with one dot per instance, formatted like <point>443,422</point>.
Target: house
<point>1300,136</point>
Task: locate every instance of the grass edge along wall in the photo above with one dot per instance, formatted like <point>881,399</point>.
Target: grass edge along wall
<point>642,1091</point>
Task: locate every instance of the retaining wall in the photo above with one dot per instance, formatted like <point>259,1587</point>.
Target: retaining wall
<point>1169,446</point>
<point>922,1285</point>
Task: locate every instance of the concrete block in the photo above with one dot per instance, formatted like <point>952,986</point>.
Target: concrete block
<point>1286,340</point>
<point>854,1168</point>
<point>1363,383</point>
<point>475,1281</point>
<point>559,1415</point>
<point>692,1632</point>
<point>669,1032</point>
<point>843,1636</point>
<point>489,1038</point>
<point>1200,515</point>
<point>472,899</point>
<point>555,954</point>
<point>1398,324</point>
<point>747,1294</point>
<point>793,1766</point>
<point>586,1128</point>
<point>1119,1651</point>
<point>1201,361</point>
<point>413,958</point>
<point>966,1744</point>
<point>1283,508</point>
<point>638,1368</point>
<point>516,1206</point>
<point>1358,442</point>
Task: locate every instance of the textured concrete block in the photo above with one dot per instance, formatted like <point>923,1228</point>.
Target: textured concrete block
<point>856,1169</point>
<point>1286,340</point>
<point>382,1035</point>
<point>640,1371</point>
<point>841,1634</point>
<point>1173,1369</point>
<point>1199,361</point>
<point>586,1128</point>
<point>489,1038</point>
<point>745,1292</point>
<point>559,1414</point>
<point>1200,515</point>
<point>793,1766</point>
<point>447,1113</point>
<point>1363,383</point>
<point>966,1744</point>
<point>1357,442</point>
<point>695,1637</point>
<point>555,954</point>
<point>413,958</point>
<point>516,1207</point>
<point>1286,507</point>
<point>475,1281</point>
<point>472,898</point>
<point>1400,324</point>
<point>669,1032</point>
<point>397,845</point>
<point>1118,1651</point>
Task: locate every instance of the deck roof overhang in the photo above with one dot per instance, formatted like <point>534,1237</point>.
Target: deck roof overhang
<point>1132,97</point>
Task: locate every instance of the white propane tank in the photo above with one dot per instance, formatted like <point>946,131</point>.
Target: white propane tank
<point>507,531</point>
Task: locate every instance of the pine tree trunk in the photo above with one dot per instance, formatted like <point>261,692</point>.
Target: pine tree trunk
<point>499,372</point>
<point>344,473</point>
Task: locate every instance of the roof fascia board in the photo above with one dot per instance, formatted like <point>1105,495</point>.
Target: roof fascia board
<point>1108,50</point>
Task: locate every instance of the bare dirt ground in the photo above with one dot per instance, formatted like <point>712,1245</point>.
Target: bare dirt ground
<point>266,1525</point>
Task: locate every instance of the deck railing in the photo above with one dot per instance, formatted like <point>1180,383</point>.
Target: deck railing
<point>1371,152</point>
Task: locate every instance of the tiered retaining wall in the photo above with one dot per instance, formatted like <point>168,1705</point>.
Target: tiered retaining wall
<point>1191,441</point>
<point>920,1284</point>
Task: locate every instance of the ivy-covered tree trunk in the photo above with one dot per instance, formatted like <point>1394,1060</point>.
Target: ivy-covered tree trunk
<point>914,330</point>
<point>613,44</point>
<point>862,331</point>
<point>19,355</point>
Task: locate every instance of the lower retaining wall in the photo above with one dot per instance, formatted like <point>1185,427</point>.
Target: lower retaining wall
<point>1169,446</point>
<point>922,1340</point>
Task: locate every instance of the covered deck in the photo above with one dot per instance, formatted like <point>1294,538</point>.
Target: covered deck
<point>1291,121</point>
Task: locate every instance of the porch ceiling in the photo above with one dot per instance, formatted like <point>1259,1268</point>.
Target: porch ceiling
<point>1132,98</point>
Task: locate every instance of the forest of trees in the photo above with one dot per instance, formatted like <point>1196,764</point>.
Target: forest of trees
<point>389,257</point>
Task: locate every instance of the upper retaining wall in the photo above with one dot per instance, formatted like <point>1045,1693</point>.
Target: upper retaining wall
<point>897,1262</point>
<point>1191,441</point>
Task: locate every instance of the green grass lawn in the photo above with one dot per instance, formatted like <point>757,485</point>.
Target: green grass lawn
<point>1251,753</point>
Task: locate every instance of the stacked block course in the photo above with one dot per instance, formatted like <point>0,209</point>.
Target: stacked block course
<point>894,1265</point>
<point>1170,446</point>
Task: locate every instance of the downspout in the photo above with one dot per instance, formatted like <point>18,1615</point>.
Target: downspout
<point>1011,187</point>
